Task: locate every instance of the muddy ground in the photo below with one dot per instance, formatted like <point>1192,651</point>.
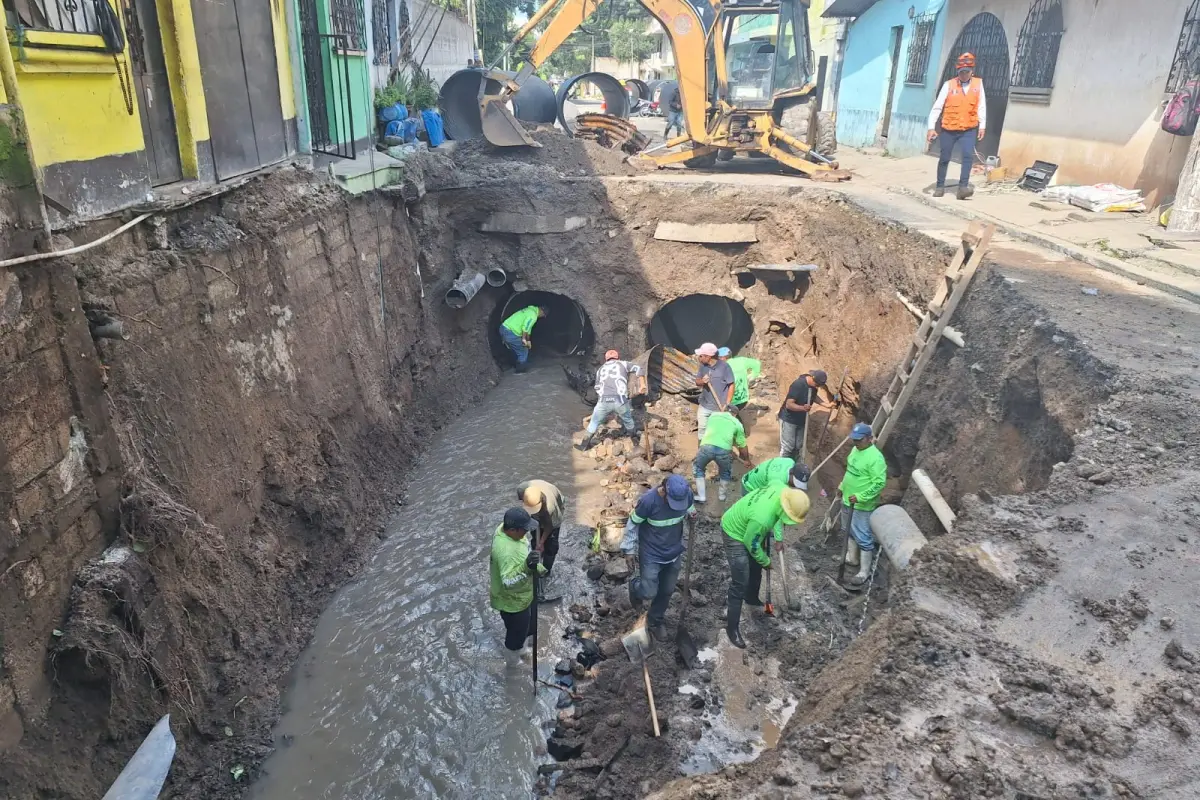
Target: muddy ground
<point>1044,647</point>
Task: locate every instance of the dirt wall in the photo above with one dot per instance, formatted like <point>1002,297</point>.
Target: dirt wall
<point>283,360</point>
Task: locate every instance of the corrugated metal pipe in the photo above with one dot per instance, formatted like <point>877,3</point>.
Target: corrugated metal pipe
<point>465,288</point>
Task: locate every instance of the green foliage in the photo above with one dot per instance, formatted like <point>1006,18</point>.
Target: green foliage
<point>628,41</point>
<point>424,90</point>
<point>388,96</point>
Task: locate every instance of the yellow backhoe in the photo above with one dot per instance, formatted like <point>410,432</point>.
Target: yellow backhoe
<point>745,81</point>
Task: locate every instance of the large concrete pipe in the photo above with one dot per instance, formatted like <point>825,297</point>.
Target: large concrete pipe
<point>496,277</point>
<point>897,534</point>
<point>458,101</point>
<point>687,322</point>
<point>616,101</point>
<point>465,288</point>
<point>637,89</point>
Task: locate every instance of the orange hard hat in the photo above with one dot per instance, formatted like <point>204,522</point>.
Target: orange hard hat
<point>611,354</point>
<point>966,61</point>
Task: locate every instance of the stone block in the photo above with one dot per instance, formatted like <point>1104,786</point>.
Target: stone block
<point>504,222</point>
<point>16,429</point>
<point>33,500</point>
<point>32,460</point>
<point>710,233</point>
<point>32,578</point>
<point>173,285</point>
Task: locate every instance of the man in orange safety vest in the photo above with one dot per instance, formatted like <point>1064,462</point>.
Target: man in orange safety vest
<point>961,108</point>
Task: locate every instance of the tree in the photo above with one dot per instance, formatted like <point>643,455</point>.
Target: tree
<point>628,41</point>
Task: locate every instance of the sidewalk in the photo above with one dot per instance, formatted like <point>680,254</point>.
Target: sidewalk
<point>1133,245</point>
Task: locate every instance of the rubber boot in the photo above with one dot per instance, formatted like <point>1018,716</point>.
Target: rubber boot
<point>733,624</point>
<point>588,442</point>
<point>722,490</point>
<point>864,568</point>
<point>512,658</point>
<point>852,552</point>
<point>939,191</point>
<point>635,439</point>
<point>701,497</point>
<point>965,192</point>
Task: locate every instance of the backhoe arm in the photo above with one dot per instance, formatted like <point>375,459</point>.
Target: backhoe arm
<point>684,30</point>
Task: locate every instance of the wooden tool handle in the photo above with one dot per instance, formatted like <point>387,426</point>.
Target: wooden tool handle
<point>650,697</point>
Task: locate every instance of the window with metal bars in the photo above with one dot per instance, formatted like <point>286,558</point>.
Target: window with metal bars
<point>381,31</point>
<point>1186,65</point>
<point>64,16</point>
<point>348,21</point>
<point>1037,46</point>
<point>920,48</point>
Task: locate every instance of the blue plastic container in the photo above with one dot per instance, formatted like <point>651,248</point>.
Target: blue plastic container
<point>433,127</point>
<point>392,113</point>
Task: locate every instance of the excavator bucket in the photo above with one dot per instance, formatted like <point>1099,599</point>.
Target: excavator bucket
<point>500,127</point>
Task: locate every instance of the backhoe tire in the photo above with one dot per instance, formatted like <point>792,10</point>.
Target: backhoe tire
<point>725,155</point>
<point>825,139</point>
<point>706,161</point>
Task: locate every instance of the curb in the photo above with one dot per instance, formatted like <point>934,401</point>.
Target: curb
<point>1133,272</point>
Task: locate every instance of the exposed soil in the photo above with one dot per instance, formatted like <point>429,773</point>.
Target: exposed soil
<point>269,400</point>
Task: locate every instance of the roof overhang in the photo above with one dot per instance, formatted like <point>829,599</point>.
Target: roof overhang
<point>847,8</point>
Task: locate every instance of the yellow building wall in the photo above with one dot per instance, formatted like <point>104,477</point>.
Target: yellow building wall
<point>287,97</point>
<point>187,86</point>
<point>73,103</point>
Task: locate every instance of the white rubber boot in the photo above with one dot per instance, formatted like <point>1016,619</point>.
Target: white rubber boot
<point>721,490</point>
<point>700,495</point>
<point>864,567</point>
<point>852,552</point>
<point>512,658</point>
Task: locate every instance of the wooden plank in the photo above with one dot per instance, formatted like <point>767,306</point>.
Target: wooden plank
<point>711,233</point>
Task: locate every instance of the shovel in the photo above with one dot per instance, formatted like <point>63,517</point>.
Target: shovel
<point>683,639</point>
<point>792,605</point>
<point>638,646</point>
<point>769,607</point>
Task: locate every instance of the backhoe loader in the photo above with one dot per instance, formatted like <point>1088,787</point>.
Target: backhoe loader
<point>741,77</point>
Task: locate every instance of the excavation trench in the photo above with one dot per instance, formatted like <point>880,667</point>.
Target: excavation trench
<point>272,342</point>
<point>403,693</point>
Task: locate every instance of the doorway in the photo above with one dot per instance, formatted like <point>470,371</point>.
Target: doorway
<point>984,36</point>
<point>154,93</point>
<point>241,84</point>
<point>886,122</point>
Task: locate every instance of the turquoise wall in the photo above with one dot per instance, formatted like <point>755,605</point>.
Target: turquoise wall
<point>865,70</point>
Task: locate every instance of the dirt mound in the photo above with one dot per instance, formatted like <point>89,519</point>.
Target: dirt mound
<point>560,156</point>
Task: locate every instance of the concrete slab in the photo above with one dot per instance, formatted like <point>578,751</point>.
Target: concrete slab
<point>369,171</point>
<point>712,233</point>
<point>503,222</point>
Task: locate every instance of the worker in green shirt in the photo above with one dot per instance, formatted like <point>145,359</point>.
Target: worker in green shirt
<point>781,471</point>
<point>745,370</point>
<point>513,566</point>
<point>723,435</point>
<point>516,330</point>
<point>866,475</point>
<point>747,525</point>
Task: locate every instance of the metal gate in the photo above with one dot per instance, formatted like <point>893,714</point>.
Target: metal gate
<point>330,109</point>
<point>241,84</point>
<point>984,36</point>
<point>154,92</point>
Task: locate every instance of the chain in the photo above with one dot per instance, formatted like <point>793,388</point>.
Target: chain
<point>870,585</point>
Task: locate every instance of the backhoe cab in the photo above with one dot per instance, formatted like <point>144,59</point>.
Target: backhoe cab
<point>745,81</point>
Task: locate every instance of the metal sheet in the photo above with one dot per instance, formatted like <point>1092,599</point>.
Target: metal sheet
<point>241,84</point>
<point>669,370</point>
<point>848,8</point>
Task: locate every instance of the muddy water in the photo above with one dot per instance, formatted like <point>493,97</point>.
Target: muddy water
<point>403,692</point>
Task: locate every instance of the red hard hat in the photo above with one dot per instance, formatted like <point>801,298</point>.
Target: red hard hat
<point>611,354</point>
<point>966,61</point>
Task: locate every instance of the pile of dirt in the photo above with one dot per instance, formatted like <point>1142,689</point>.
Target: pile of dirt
<point>475,161</point>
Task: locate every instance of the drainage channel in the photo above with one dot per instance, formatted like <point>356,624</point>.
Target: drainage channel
<point>403,690</point>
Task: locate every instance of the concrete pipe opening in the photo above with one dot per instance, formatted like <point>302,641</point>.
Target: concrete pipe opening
<point>687,322</point>
<point>565,330</point>
<point>496,277</point>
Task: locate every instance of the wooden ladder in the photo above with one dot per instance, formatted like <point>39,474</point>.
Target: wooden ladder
<point>921,348</point>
